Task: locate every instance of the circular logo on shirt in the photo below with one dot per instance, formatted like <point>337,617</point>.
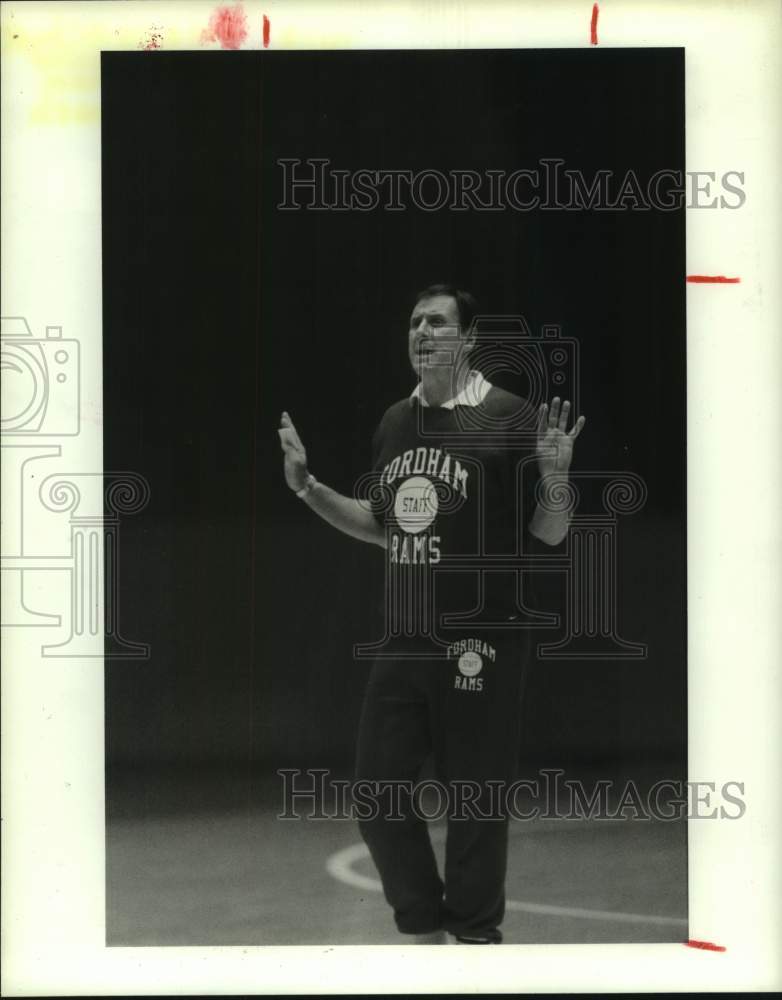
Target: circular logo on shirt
<point>416,504</point>
<point>470,664</point>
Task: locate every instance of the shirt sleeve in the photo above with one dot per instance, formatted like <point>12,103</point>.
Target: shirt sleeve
<point>532,544</point>
<point>374,492</point>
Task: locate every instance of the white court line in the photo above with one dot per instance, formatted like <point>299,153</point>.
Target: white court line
<point>340,866</point>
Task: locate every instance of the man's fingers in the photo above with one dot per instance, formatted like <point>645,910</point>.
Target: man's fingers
<point>564,414</point>
<point>553,413</point>
<point>287,424</point>
<point>289,441</point>
<point>577,427</point>
<point>542,417</point>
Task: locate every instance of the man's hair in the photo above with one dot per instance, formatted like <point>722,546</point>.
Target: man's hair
<point>465,303</point>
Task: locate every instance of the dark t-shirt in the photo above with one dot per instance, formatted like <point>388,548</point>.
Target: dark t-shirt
<point>455,490</point>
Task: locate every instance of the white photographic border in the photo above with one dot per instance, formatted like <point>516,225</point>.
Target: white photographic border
<point>53,848</point>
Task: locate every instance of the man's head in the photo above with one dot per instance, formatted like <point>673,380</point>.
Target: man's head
<point>446,313</point>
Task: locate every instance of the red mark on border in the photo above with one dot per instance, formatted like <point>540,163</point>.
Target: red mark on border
<point>704,945</point>
<point>153,40</point>
<point>593,25</point>
<point>228,26</point>
<point>267,29</point>
<point>712,279</point>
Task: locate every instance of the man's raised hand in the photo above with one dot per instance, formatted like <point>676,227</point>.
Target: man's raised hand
<point>555,443</point>
<point>294,454</point>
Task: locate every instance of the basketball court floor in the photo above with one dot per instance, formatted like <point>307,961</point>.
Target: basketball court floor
<point>190,871</point>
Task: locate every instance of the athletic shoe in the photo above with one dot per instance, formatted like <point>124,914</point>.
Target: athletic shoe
<point>493,937</point>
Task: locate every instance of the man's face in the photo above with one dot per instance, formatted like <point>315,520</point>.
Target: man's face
<point>434,319</point>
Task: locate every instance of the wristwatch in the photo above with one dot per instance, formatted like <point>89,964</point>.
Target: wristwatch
<point>310,482</point>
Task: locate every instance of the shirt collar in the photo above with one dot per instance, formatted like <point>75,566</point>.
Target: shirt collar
<point>473,394</point>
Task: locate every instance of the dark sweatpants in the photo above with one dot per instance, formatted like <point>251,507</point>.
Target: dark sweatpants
<point>412,709</point>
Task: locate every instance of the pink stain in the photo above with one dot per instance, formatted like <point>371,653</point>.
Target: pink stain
<point>228,26</point>
<point>593,25</point>
<point>266,31</point>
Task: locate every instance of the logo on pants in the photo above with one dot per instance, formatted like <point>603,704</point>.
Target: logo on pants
<point>471,653</point>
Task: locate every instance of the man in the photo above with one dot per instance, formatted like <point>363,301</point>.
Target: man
<point>444,500</point>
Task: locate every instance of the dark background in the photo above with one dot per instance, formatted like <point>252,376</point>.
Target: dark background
<point>220,311</point>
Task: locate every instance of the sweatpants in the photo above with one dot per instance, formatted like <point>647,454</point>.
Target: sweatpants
<point>463,712</point>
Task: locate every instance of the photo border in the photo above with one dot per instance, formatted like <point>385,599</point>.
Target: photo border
<point>53,890</point>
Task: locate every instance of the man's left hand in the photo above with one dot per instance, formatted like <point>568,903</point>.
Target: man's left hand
<point>555,442</point>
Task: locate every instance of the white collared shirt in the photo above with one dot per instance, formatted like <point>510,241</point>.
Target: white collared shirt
<point>473,394</point>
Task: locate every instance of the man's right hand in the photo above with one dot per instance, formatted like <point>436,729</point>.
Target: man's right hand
<point>295,457</point>
<point>344,513</point>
